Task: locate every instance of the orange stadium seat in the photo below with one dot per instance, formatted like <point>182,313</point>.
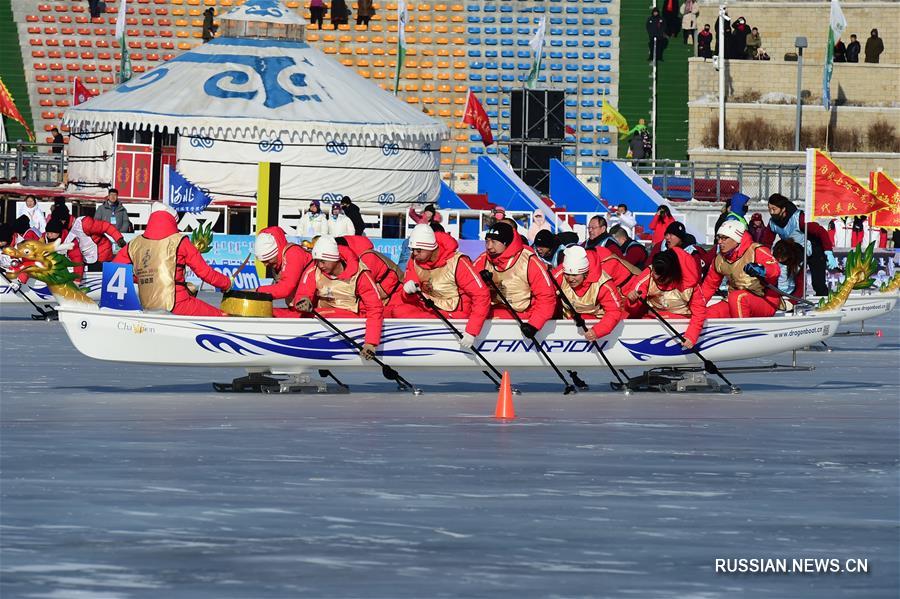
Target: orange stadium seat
<point>32,19</point>
<point>44,7</point>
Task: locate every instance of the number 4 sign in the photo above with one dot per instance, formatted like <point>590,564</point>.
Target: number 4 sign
<point>118,290</point>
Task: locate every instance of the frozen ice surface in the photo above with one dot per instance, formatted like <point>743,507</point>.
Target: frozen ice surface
<point>129,481</point>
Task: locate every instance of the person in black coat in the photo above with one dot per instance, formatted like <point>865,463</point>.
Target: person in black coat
<point>853,49</point>
<point>704,43</point>
<point>671,17</point>
<point>656,31</point>
<point>351,211</point>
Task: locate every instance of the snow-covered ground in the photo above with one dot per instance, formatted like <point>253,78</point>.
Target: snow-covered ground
<point>124,481</point>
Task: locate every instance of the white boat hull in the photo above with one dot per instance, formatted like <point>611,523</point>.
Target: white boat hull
<point>863,305</point>
<point>40,294</point>
<point>303,345</point>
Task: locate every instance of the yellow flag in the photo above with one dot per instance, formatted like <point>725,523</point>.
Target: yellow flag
<point>611,116</point>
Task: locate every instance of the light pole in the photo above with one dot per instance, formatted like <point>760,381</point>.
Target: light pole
<point>723,16</point>
<point>799,43</point>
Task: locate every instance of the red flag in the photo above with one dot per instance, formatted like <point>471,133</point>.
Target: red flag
<point>80,93</point>
<point>835,193</point>
<point>888,192</point>
<point>478,118</point>
<point>570,130</point>
<point>8,109</point>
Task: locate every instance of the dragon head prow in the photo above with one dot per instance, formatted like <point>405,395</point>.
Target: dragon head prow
<point>41,260</point>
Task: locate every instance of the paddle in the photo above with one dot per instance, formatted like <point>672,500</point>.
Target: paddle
<point>488,278</point>
<point>581,324</point>
<point>43,313</point>
<point>388,372</point>
<point>429,303</point>
<point>239,269</point>
<point>707,365</point>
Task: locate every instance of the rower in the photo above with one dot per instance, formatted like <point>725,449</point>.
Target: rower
<point>590,291</point>
<point>747,266</point>
<point>597,235</point>
<point>550,246</point>
<point>669,285</point>
<point>90,238</point>
<point>384,271</point>
<point>286,260</point>
<point>632,250</point>
<point>520,277</point>
<point>338,285</point>
<point>445,276</point>
<point>676,236</point>
<point>160,255</point>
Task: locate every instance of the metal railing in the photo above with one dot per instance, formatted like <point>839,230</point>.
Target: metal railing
<point>715,181</point>
<point>32,164</point>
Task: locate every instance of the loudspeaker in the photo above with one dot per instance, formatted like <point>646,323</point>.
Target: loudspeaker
<point>532,163</point>
<point>537,114</point>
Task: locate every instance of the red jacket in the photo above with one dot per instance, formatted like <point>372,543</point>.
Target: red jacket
<point>161,225</point>
<point>610,265</point>
<point>370,302</point>
<point>608,296</point>
<point>635,253</point>
<point>543,294</point>
<point>763,235</point>
<point>474,295</point>
<point>290,263</point>
<point>817,231</point>
<point>384,275</point>
<point>701,257</point>
<point>97,230</point>
<point>690,279</point>
<point>763,256</point>
<point>659,224</point>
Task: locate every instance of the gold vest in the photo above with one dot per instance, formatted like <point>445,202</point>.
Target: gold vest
<point>671,300</point>
<point>513,282</point>
<point>734,271</point>
<point>439,284</point>
<point>583,304</point>
<point>391,266</point>
<point>338,293</point>
<point>154,262</point>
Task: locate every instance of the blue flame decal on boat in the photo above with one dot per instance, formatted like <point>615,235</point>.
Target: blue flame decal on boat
<point>323,345</point>
<point>665,345</point>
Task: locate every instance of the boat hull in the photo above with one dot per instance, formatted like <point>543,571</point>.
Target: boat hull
<point>863,305</point>
<point>40,294</point>
<point>302,345</point>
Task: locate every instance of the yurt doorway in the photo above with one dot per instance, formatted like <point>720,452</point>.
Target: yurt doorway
<point>140,157</point>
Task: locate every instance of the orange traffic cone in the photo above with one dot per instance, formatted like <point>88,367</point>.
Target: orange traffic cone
<point>505,409</point>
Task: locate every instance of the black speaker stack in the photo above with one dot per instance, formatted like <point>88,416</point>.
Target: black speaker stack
<point>537,133</point>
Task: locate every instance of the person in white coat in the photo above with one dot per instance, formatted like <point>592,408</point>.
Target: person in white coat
<point>313,223</point>
<point>339,224</point>
<point>622,216</point>
<point>36,217</point>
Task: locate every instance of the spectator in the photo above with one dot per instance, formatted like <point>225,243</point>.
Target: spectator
<point>317,11</point>
<point>209,28</point>
<point>704,43</point>
<point>351,211</point>
<point>636,146</point>
<point>727,30</point>
<point>760,231</point>
<point>94,7</point>
<point>426,216</point>
<point>113,212</point>
<point>690,12</point>
<point>840,51</point>
<point>656,34</point>
<point>660,222</point>
<point>340,14</point>
<point>734,209</point>
<point>853,49</point>
<point>646,139</point>
<point>496,216</point>
<point>313,223</point>
<point>365,10</point>
<point>623,217</point>
<point>739,34</point>
<point>596,233</point>
<point>37,220</point>
<point>754,42</point>
<point>339,225</point>
<point>671,18</point>
<point>874,47</point>
<point>538,223</point>
<point>58,141</point>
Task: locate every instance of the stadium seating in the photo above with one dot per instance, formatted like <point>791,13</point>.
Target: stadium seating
<point>452,47</point>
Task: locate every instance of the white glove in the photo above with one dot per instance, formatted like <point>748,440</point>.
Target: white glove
<point>467,341</point>
<point>14,284</point>
<point>410,287</point>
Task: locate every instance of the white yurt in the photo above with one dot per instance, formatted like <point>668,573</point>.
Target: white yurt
<point>258,93</point>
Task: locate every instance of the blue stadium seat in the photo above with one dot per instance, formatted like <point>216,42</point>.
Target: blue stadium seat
<point>588,55</point>
<point>492,77</point>
<point>476,89</point>
<point>504,114</point>
<point>587,78</point>
<point>506,77</point>
<point>504,8</point>
<point>554,43</point>
<point>476,65</point>
<point>524,31</point>
<point>571,21</point>
<point>471,19</point>
<point>505,89</point>
<point>474,77</point>
<point>588,21</point>
<point>506,30</point>
<point>490,31</point>
<point>587,91</point>
<point>556,66</point>
<point>571,115</point>
<point>588,43</point>
<point>587,67</point>
<point>604,44</point>
<point>476,149</point>
<point>474,53</point>
<point>556,78</point>
<point>488,19</point>
<point>606,21</point>
<point>602,153</point>
<point>572,55</point>
<point>474,41</point>
<point>556,31</point>
<point>571,102</point>
<point>524,66</point>
<point>605,32</point>
<point>492,150</point>
<point>586,140</point>
<point>587,116</point>
<point>490,101</point>
<point>556,55</point>
<point>489,8</point>
<point>491,66</point>
<point>523,20</point>
<point>571,67</point>
<point>555,21</point>
<point>568,151</point>
<point>585,153</point>
<point>587,103</point>
<point>605,140</point>
<point>586,128</point>
<point>571,78</point>
<point>506,42</point>
<point>473,30</point>
<point>507,54</point>
<point>603,128</point>
<point>492,89</point>
<point>490,54</point>
<point>506,19</point>
<point>572,32</point>
<point>524,54</point>
<point>555,10</point>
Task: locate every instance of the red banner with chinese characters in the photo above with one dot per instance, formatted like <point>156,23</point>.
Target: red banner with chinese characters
<point>888,192</point>
<point>475,116</point>
<point>835,193</point>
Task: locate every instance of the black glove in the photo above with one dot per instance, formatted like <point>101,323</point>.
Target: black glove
<point>121,242</point>
<point>367,352</point>
<point>528,330</point>
<point>755,270</point>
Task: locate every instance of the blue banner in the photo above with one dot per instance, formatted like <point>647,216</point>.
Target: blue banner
<point>184,196</point>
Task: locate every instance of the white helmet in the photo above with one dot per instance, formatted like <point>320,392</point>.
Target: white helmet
<point>733,229</point>
<point>422,238</point>
<point>160,207</point>
<point>575,260</point>
<point>326,248</point>
<point>265,247</point>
